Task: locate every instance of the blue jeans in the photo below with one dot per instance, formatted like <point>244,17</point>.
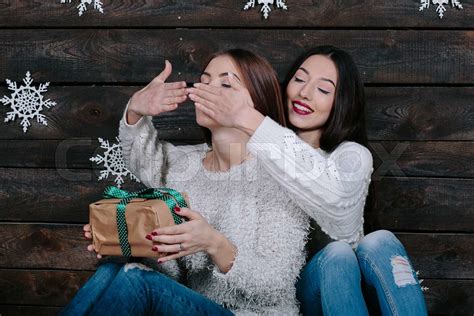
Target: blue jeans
<point>331,283</point>
<point>116,289</point>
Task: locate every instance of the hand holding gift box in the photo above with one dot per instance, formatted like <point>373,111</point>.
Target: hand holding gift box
<point>120,222</point>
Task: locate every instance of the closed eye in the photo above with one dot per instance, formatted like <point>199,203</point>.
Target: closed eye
<point>298,79</point>
<point>323,91</point>
<point>226,85</point>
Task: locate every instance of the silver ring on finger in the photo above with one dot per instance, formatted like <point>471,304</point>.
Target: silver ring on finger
<point>181,248</point>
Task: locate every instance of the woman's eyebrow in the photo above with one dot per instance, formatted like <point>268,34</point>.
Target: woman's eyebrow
<point>304,70</point>
<point>328,80</point>
<point>225,74</point>
<point>322,78</point>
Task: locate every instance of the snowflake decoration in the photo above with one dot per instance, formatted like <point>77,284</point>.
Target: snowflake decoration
<point>27,102</point>
<point>423,288</point>
<point>113,162</point>
<point>425,4</point>
<point>266,9</point>
<point>83,5</point>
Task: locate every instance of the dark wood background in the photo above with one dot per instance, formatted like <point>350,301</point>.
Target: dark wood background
<point>418,71</point>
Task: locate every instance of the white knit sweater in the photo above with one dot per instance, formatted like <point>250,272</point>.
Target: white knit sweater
<point>331,188</point>
<point>245,204</point>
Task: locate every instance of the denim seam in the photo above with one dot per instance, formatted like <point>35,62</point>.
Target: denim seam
<point>383,283</point>
<point>160,292</point>
<point>179,299</point>
<point>183,300</point>
<point>127,278</point>
<point>321,261</point>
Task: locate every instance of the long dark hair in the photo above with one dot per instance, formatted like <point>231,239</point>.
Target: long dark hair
<point>347,120</point>
<point>260,79</point>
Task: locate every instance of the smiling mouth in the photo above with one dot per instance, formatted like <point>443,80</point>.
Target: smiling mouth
<point>301,108</point>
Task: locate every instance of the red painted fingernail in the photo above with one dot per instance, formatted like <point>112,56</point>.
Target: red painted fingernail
<point>160,262</point>
<point>148,237</point>
<point>176,209</point>
<point>154,248</point>
<point>154,233</point>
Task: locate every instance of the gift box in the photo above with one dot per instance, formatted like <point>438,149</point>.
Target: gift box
<point>120,221</point>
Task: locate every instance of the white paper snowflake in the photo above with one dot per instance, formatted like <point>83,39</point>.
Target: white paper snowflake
<point>425,4</point>
<point>113,162</point>
<point>423,288</point>
<point>26,102</point>
<point>266,9</point>
<point>82,6</point>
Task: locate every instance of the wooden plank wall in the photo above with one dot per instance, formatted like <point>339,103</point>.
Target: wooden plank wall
<point>418,70</point>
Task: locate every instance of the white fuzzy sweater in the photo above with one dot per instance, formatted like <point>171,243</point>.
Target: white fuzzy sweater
<point>331,188</point>
<point>245,204</point>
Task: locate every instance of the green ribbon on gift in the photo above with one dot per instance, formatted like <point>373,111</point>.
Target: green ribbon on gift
<point>171,197</point>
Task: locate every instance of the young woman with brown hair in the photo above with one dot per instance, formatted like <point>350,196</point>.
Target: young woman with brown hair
<point>242,247</point>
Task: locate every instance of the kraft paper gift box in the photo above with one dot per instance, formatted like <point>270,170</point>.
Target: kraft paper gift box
<point>119,229</point>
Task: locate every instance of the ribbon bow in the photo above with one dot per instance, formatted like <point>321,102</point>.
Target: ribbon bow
<point>171,197</point>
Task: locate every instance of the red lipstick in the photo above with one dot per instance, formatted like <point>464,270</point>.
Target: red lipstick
<point>301,108</point>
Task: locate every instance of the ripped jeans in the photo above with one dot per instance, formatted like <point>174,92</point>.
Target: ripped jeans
<point>134,289</point>
<point>330,284</point>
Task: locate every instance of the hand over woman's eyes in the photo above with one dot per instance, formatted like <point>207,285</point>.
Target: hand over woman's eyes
<point>228,106</point>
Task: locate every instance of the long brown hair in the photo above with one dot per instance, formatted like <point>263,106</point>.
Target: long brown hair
<point>260,79</point>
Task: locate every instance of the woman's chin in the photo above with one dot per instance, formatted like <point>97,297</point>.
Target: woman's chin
<point>298,121</point>
<point>303,124</point>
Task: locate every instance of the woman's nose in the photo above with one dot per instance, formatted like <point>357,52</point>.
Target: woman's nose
<point>305,92</point>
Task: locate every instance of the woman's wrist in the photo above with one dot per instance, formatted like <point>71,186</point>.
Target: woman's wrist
<point>222,252</point>
<point>132,117</point>
<point>249,120</point>
<point>217,242</point>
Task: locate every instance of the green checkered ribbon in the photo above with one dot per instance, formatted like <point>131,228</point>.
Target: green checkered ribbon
<point>171,197</point>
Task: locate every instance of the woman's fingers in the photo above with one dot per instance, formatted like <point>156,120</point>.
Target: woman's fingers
<point>203,101</point>
<point>190,214</point>
<point>170,239</point>
<point>87,231</point>
<point>175,93</point>
<point>164,74</point>
<point>205,110</point>
<point>208,88</point>
<point>173,100</point>
<point>174,256</point>
<point>169,107</point>
<point>214,98</point>
<point>174,85</point>
<point>173,248</point>
<point>91,248</point>
<point>171,230</point>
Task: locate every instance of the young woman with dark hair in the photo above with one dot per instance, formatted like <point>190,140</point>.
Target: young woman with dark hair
<point>242,247</point>
<point>325,166</point>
